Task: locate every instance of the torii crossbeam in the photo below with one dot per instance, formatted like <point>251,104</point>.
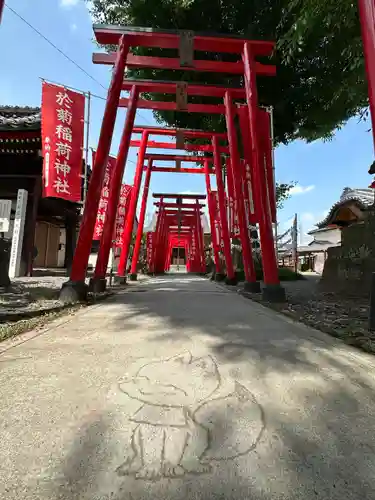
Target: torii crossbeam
<point>187,43</point>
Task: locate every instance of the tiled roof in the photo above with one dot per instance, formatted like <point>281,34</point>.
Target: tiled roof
<point>364,198</point>
<point>19,118</point>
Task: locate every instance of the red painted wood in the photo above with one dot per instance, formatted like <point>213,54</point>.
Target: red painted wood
<point>172,106</point>
<point>128,231</point>
<point>142,215</point>
<point>192,89</point>
<point>235,166</point>
<point>172,132</point>
<point>174,157</point>
<point>180,171</point>
<point>114,190</point>
<point>109,35</point>
<point>206,148</point>
<point>84,242</point>
<point>269,261</point>
<point>223,209</point>
<point>183,196</point>
<point>233,68</point>
<point>175,205</point>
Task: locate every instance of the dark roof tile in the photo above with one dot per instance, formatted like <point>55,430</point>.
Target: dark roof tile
<point>19,118</point>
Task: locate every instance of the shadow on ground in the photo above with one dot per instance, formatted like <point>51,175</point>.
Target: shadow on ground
<point>317,397</point>
<point>316,400</point>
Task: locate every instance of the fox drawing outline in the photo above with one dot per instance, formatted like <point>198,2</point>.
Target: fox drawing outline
<point>172,427</point>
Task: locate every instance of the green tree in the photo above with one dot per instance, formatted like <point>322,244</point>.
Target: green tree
<point>320,79</point>
<point>283,192</point>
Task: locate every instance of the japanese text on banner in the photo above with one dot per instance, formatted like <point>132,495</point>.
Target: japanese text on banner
<point>62,138</point>
<point>104,197</point>
<point>123,207</point>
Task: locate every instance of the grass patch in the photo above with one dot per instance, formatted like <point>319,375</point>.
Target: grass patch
<point>8,330</point>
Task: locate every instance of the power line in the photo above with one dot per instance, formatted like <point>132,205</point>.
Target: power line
<point>66,56</point>
<point>55,46</point>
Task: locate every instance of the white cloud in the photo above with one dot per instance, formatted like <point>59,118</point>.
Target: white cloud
<point>308,217</point>
<point>68,3</point>
<point>301,189</point>
<point>73,27</point>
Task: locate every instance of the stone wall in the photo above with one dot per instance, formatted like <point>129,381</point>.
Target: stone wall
<point>349,266</point>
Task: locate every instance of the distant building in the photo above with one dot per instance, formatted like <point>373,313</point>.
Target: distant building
<point>350,209</point>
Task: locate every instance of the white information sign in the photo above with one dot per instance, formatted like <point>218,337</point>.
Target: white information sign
<point>18,230</point>
<point>5,210</point>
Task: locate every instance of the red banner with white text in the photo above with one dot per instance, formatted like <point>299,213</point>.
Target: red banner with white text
<point>234,228</point>
<point>217,221</point>
<point>248,194</point>
<point>63,114</point>
<point>122,210</point>
<point>104,197</point>
<point>149,248</point>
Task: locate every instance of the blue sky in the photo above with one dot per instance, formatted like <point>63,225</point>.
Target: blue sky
<point>321,169</point>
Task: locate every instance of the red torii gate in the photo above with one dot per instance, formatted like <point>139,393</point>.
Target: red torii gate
<point>151,168</point>
<point>206,170</point>
<point>187,42</point>
<point>179,214</point>
<point>271,274</point>
<point>98,282</point>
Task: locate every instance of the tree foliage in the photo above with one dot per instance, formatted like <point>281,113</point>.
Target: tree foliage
<point>320,81</point>
<point>283,193</point>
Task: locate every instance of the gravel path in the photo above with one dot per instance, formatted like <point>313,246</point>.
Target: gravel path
<point>342,316</point>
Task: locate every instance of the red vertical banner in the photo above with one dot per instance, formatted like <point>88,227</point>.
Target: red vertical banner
<point>218,228</point>
<point>149,248</point>
<point>265,150</point>
<point>123,207</point>
<point>104,195</point>
<point>193,246</point>
<point>63,114</point>
<point>234,229</point>
<point>247,186</point>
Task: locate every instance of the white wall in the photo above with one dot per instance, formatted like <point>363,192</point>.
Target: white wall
<point>332,235</point>
<point>61,252</point>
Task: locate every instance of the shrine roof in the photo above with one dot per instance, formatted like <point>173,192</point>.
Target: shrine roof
<point>19,118</point>
<point>363,198</point>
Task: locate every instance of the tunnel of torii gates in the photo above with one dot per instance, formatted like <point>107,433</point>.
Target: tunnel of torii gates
<point>251,187</point>
<point>178,225</point>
